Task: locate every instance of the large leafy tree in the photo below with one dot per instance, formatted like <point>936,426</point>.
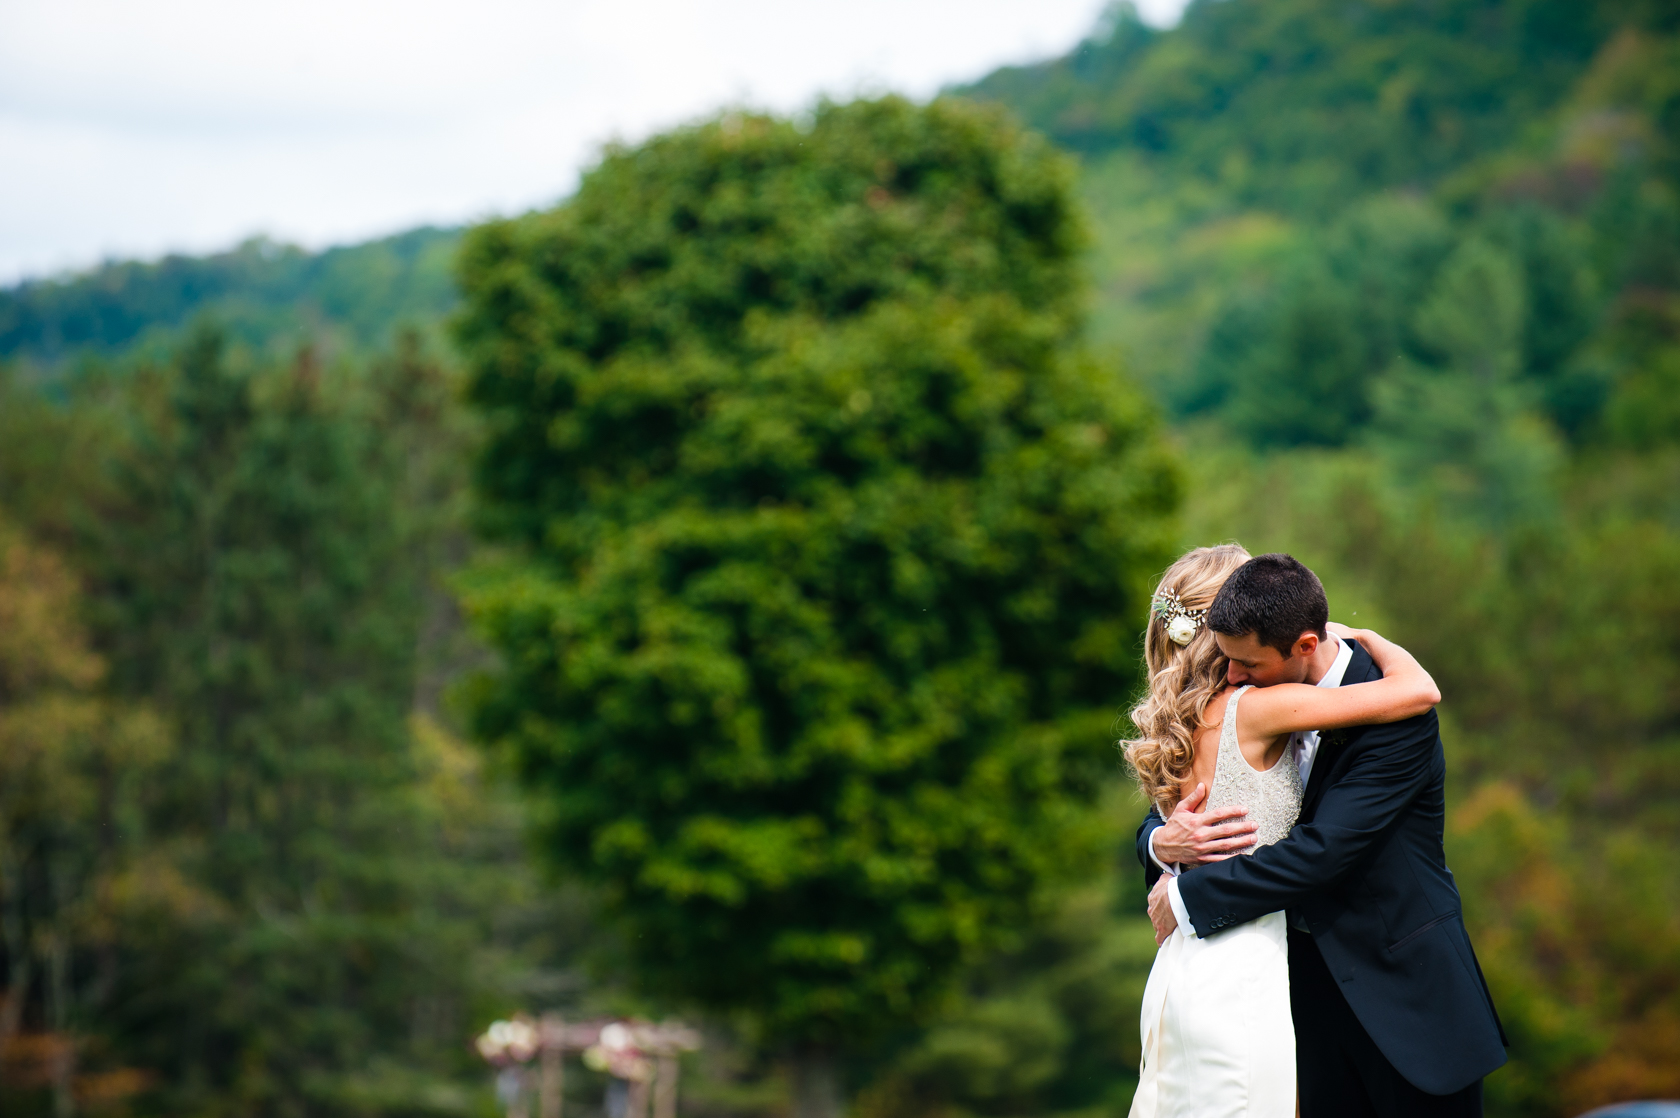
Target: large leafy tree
<point>825,550</point>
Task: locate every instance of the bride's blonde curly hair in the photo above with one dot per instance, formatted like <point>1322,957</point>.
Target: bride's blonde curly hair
<point>1182,680</point>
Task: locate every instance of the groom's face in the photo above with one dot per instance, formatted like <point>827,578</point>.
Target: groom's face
<point>1261,665</point>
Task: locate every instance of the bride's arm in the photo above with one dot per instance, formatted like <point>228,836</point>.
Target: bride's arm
<point>1404,691</point>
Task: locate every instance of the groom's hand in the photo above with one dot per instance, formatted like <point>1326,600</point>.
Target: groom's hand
<point>1160,911</point>
<point>1189,839</point>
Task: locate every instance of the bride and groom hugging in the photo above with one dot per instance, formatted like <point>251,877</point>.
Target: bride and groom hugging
<point>1330,966</point>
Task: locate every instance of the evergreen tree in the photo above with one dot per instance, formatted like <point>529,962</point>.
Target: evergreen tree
<point>260,584</point>
<point>1464,424</point>
<point>829,551</point>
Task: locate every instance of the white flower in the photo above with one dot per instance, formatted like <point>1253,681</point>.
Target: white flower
<point>1181,630</point>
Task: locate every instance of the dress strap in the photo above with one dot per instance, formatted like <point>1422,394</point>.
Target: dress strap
<point>1228,730</point>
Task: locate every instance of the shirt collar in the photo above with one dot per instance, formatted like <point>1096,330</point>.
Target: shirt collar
<point>1338,668</point>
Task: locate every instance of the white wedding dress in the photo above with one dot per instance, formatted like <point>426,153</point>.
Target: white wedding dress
<point>1218,1040</point>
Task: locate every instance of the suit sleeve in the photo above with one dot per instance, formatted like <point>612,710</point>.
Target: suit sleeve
<point>1150,824</point>
<point>1392,765</point>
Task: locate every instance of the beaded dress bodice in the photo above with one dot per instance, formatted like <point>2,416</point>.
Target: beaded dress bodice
<point>1273,797</point>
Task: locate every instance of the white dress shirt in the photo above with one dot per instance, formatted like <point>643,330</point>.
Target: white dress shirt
<point>1303,743</point>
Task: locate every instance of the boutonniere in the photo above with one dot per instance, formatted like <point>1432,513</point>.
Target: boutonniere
<point>1336,738</point>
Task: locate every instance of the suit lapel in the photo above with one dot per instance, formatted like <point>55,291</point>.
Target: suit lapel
<point>1333,743</point>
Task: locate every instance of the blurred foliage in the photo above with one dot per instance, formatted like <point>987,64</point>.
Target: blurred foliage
<point>824,549</point>
<point>251,579</point>
<point>247,868</point>
<point>1305,105</point>
<point>76,768</point>
<point>263,294</point>
<point>1047,1026</point>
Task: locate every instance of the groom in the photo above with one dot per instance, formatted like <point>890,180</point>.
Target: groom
<point>1392,1017</point>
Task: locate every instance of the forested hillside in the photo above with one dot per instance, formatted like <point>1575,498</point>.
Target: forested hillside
<point>1403,276</point>
<point>1262,158</point>
<point>263,294</point>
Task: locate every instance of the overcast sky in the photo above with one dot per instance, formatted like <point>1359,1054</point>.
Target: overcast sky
<point>134,129</point>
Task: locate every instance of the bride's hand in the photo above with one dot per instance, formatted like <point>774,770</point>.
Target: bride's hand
<point>1160,910</point>
<point>1390,658</point>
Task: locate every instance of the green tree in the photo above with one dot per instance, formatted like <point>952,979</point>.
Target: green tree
<point>1293,360</point>
<point>259,577</point>
<point>1561,309</point>
<point>827,551</point>
<point>73,768</point>
<point>1295,371</point>
<point>1466,425</point>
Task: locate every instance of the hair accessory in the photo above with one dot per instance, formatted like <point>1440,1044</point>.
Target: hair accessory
<point>1181,623</point>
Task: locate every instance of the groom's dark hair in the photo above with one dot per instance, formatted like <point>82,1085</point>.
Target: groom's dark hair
<point>1276,597</point>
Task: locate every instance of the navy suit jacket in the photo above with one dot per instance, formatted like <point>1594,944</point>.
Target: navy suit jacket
<point>1365,868</point>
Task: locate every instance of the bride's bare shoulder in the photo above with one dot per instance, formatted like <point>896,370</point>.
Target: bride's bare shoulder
<point>1214,715</point>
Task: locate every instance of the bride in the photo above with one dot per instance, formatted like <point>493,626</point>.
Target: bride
<point>1218,1040</point>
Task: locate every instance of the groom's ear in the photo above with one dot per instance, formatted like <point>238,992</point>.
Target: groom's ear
<point>1305,645</point>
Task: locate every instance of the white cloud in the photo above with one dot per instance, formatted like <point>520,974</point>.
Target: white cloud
<point>134,129</point>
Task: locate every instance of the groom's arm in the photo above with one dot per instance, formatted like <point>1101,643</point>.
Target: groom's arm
<point>1394,764</point>
<point>1191,837</point>
<point>1151,868</point>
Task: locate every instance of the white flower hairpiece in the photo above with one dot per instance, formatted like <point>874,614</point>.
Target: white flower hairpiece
<point>1181,623</point>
